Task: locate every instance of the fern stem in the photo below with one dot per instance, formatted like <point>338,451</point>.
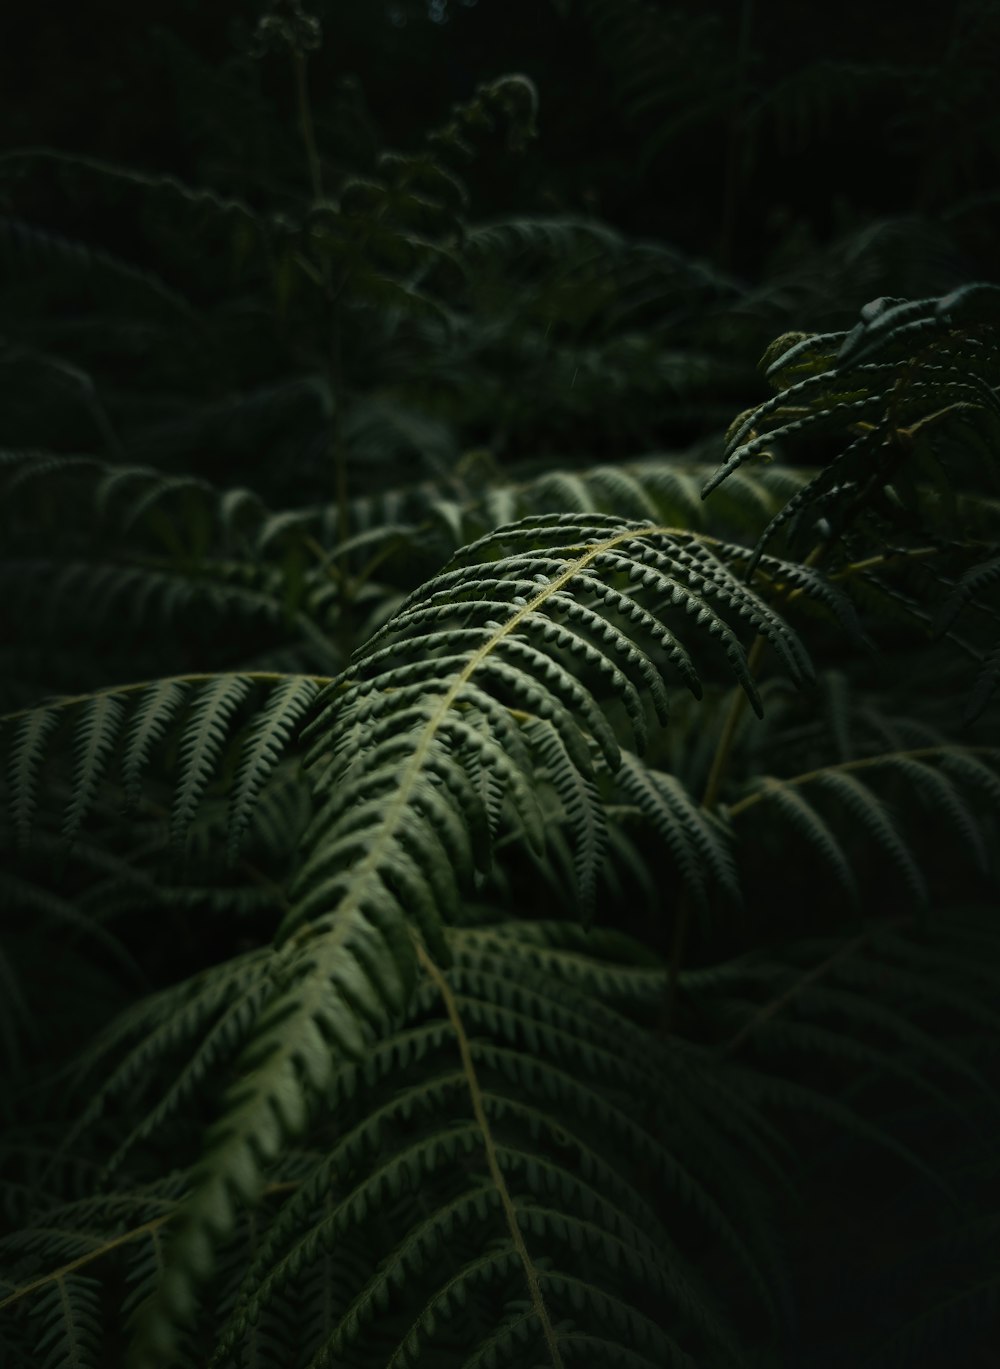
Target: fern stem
<point>56,1274</point>
<point>730,727</point>
<point>306,125</point>
<point>496,1174</point>
<point>886,558</point>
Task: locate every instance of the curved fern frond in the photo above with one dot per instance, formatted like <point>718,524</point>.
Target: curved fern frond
<point>25,246</point>
<point>201,743</point>
<point>911,393</point>
<point>393,844</point>
<point>153,714</point>
<point>923,772</point>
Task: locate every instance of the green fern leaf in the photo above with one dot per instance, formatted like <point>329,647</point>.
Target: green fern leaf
<point>27,750</point>
<point>152,715</point>
<point>943,797</point>
<point>266,740</point>
<point>811,825</point>
<point>97,733</point>
<point>966,588</point>
<point>701,857</point>
<point>392,845</point>
<point>876,819</point>
<point>69,1309</point>
<point>987,682</point>
<point>583,809</point>
<point>201,744</point>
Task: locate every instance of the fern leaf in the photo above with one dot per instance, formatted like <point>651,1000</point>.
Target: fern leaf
<point>28,897</point>
<point>353,970</point>
<point>151,717</point>
<point>266,740</point>
<point>583,809</point>
<point>801,815</point>
<point>607,1249</point>
<point>71,1308</point>
<point>874,816</point>
<point>944,798</point>
<point>392,845</point>
<point>701,857</point>
<point>26,753</point>
<point>97,732</point>
<point>966,588</point>
<point>986,684</point>
<point>201,744</point>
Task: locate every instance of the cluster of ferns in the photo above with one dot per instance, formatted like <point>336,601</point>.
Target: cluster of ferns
<point>469,903</point>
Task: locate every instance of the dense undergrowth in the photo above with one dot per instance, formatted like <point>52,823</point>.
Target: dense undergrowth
<point>499,843</point>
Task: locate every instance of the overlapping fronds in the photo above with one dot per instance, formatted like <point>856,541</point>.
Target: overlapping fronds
<point>835,808</point>
<point>130,722</point>
<point>552,619</point>
<point>448,921</point>
<point>518,1107</point>
<point>900,413</point>
<point>899,381</point>
<point>522,1128</point>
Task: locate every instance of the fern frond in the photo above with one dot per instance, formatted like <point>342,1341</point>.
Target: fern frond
<point>701,856</point>
<point>24,246</point>
<point>813,828</point>
<point>28,897</point>
<point>874,816</point>
<point>69,1310</point>
<point>581,806</point>
<point>267,738</point>
<point>145,713</point>
<point>27,751</point>
<point>97,733</point>
<point>925,773</point>
<point>570,1183</point>
<point>394,839</point>
<point>910,398</point>
<point>153,714</point>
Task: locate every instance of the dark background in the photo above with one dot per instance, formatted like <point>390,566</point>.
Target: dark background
<point>905,122</point>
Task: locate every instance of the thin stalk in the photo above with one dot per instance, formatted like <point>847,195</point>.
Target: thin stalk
<point>306,124</point>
